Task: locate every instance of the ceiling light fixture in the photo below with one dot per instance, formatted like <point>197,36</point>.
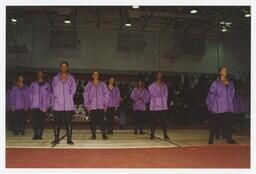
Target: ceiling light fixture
<point>135,6</point>
<point>224,29</point>
<point>193,11</point>
<point>14,20</point>
<point>222,22</point>
<point>67,21</point>
<point>128,23</point>
<point>247,15</point>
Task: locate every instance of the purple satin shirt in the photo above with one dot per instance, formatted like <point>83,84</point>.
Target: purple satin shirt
<point>140,97</point>
<point>114,97</point>
<point>158,97</point>
<point>40,96</point>
<point>96,97</point>
<point>220,97</point>
<point>19,97</point>
<point>63,93</point>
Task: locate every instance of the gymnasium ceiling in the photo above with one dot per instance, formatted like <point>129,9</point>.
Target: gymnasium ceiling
<point>177,19</point>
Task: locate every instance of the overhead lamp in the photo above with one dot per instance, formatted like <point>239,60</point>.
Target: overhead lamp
<point>193,11</point>
<point>224,29</point>
<point>222,22</point>
<point>14,20</point>
<point>247,15</point>
<point>135,6</point>
<point>228,23</point>
<point>128,23</point>
<point>67,21</point>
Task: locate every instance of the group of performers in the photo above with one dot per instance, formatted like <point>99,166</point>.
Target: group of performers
<point>102,100</point>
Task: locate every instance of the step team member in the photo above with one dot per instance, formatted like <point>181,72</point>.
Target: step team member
<point>63,88</point>
<point>96,100</point>
<point>19,105</point>
<point>158,93</point>
<point>40,95</point>
<point>114,102</point>
<point>139,97</point>
<point>220,105</point>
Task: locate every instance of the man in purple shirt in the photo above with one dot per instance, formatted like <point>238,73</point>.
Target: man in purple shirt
<point>63,88</point>
<point>158,93</point>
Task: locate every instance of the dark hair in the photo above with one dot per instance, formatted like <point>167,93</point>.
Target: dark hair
<point>17,77</point>
<point>220,68</point>
<point>64,62</point>
<point>141,80</point>
<point>39,69</point>
<point>158,73</point>
<point>95,71</point>
<point>109,79</point>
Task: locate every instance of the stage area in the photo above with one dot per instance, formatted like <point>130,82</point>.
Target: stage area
<point>120,139</point>
<point>186,149</point>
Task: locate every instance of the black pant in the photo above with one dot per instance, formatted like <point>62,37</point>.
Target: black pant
<point>162,115</point>
<point>220,121</point>
<point>110,115</point>
<point>39,118</point>
<point>139,117</point>
<point>97,117</point>
<point>19,121</point>
<point>59,116</point>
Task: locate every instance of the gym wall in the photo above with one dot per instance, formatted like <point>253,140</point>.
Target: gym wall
<point>101,49</point>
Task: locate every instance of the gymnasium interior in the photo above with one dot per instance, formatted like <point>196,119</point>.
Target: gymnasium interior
<point>188,44</point>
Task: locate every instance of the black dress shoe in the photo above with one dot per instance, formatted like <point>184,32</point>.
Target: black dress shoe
<point>210,142</point>
<point>141,132</point>
<point>70,142</point>
<point>104,136</point>
<point>152,137</point>
<point>93,137</point>
<point>166,137</point>
<point>231,141</point>
<point>135,133</point>
<point>55,142</point>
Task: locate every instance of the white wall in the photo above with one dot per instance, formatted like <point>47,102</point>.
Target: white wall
<point>98,49</point>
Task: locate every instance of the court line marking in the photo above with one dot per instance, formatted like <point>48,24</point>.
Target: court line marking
<point>74,147</point>
<point>168,141</point>
<point>134,147</point>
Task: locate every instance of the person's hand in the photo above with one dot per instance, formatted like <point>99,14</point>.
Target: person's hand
<point>105,110</point>
<point>26,109</point>
<point>116,109</point>
<point>12,109</point>
<point>45,110</point>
